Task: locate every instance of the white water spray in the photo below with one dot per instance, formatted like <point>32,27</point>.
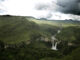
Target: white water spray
<point>54,40</point>
<point>54,43</point>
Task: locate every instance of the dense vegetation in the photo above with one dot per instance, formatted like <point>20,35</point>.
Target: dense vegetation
<point>23,39</point>
<point>15,29</point>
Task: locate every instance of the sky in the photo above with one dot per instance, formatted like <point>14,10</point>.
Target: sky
<point>49,9</point>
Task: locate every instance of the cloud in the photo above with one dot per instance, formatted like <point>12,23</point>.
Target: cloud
<point>41,6</point>
<point>2,7</point>
<point>69,6</point>
<point>65,9</point>
<point>50,9</point>
<point>2,0</point>
<point>50,6</point>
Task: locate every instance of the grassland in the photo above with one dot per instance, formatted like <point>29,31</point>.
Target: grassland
<point>15,29</point>
<point>64,23</point>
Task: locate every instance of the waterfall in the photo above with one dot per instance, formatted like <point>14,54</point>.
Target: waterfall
<point>54,43</point>
<point>54,47</point>
<point>58,31</point>
<point>54,40</point>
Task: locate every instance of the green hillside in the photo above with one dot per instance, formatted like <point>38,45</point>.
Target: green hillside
<point>16,29</point>
<point>27,38</point>
<point>65,23</point>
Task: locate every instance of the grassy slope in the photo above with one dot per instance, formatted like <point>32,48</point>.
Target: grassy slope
<point>15,29</point>
<point>65,23</point>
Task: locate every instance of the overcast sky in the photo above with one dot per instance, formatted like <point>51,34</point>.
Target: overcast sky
<point>50,9</point>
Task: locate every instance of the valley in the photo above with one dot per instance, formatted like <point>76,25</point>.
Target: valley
<point>28,38</point>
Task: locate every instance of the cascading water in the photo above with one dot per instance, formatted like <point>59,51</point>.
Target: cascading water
<point>54,46</point>
<point>54,43</point>
<point>54,40</point>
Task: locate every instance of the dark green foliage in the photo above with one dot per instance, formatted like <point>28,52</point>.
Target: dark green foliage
<point>15,29</point>
<point>20,39</point>
<point>70,34</point>
<point>49,28</point>
<point>1,44</point>
<point>69,38</point>
<point>27,53</point>
<point>75,55</point>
